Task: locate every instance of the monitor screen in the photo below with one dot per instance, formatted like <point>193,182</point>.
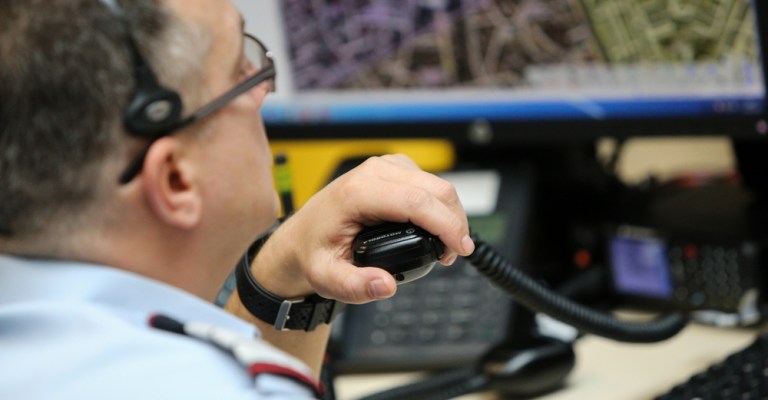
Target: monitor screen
<point>497,70</point>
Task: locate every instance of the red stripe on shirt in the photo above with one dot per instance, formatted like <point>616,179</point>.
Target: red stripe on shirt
<point>266,368</point>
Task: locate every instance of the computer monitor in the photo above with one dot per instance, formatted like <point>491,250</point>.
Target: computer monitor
<point>507,71</point>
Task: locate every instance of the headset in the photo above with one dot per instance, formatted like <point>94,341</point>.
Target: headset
<point>153,109</point>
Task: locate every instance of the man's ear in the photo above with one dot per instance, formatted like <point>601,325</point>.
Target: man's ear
<point>169,185</point>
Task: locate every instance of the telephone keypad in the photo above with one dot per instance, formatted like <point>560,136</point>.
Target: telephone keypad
<point>711,277</point>
<point>442,320</point>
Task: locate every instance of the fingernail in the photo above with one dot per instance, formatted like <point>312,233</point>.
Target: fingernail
<point>467,244</point>
<point>378,289</point>
<point>450,260</point>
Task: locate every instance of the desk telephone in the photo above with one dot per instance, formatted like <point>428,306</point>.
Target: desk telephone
<point>444,320</point>
<point>719,283</point>
<point>448,318</point>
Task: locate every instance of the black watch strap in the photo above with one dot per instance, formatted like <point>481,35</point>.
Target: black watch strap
<point>304,313</point>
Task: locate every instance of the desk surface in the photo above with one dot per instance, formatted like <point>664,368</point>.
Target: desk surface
<point>606,369</point>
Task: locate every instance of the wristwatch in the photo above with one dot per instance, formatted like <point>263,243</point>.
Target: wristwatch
<point>303,313</point>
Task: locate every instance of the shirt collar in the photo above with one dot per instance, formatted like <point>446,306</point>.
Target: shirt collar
<point>132,295</point>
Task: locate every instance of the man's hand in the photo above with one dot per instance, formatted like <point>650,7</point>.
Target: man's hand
<point>311,252</point>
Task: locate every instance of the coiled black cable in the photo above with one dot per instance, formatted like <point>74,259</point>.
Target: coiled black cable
<point>532,294</point>
<point>558,359</point>
<point>447,385</point>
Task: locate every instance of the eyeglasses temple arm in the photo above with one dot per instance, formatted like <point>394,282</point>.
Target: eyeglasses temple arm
<point>227,97</point>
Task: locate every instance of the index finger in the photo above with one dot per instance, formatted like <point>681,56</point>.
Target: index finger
<point>399,202</point>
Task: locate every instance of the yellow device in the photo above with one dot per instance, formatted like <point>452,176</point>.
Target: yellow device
<point>313,162</point>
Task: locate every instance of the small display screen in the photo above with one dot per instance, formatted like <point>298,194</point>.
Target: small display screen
<point>491,228</point>
<point>640,267</point>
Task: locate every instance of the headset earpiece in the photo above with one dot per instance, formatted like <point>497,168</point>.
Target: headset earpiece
<point>153,108</point>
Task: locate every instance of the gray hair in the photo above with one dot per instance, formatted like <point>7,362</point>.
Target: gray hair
<point>65,78</point>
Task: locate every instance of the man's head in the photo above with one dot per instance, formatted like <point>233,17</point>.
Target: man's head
<point>66,77</point>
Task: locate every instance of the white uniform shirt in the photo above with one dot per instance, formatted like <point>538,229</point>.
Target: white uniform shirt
<point>79,331</point>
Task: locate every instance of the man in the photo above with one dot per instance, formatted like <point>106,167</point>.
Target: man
<point>134,174</point>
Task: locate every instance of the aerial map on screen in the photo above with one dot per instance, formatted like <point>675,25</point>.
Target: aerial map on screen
<point>404,44</point>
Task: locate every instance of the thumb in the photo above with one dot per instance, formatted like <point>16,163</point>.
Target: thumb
<point>357,285</point>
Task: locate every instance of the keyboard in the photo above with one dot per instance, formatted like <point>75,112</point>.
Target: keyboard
<point>743,375</point>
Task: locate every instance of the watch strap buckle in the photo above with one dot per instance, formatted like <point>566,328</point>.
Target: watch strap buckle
<point>284,313</point>
<point>304,313</point>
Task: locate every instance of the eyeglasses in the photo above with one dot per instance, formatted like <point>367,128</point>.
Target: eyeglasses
<point>260,60</point>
